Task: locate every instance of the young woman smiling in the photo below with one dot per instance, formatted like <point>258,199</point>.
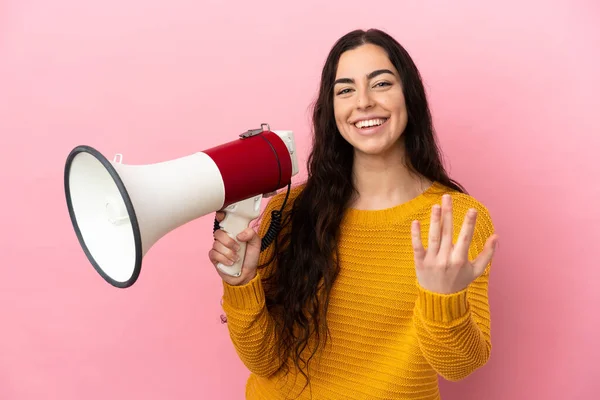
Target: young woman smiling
<point>377,283</point>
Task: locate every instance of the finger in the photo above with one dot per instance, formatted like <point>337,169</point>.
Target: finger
<point>485,257</point>
<point>226,240</point>
<point>433,245</point>
<point>253,243</point>
<point>447,231</point>
<point>417,244</point>
<point>226,251</point>
<point>463,243</point>
<point>215,257</point>
<point>220,216</point>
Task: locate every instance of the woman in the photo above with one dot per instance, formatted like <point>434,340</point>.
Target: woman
<point>377,282</point>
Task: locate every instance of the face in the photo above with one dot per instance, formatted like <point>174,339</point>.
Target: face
<point>369,106</point>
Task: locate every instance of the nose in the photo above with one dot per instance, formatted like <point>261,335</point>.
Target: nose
<point>364,99</point>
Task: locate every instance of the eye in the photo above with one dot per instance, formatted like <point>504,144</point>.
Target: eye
<point>344,91</point>
<point>381,84</point>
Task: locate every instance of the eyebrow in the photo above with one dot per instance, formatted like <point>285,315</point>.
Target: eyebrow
<point>370,76</point>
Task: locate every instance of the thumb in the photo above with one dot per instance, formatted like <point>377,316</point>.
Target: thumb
<point>485,257</point>
<point>253,243</point>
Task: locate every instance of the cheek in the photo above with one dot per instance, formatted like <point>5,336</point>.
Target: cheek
<point>340,112</point>
<point>394,105</point>
<point>394,102</point>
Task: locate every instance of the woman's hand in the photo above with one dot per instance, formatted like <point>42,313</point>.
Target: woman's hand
<point>445,267</point>
<point>225,250</point>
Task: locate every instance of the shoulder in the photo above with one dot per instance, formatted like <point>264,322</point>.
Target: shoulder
<point>276,201</point>
<point>463,202</point>
<point>281,201</point>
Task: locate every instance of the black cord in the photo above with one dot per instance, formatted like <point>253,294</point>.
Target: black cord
<point>216,226</point>
<point>274,226</point>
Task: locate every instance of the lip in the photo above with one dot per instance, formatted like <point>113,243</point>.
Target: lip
<point>371,130</point>
<point>368,118</point>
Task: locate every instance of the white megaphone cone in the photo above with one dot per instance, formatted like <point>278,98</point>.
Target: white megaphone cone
<point>120,211</point>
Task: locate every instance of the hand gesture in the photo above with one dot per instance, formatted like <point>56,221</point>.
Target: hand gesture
<point>445,267</point>
<point>225,250</point>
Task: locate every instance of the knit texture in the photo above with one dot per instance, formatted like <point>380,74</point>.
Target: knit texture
<point>390,338</point>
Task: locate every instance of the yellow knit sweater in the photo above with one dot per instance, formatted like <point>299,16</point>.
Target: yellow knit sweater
<point>390,338</point>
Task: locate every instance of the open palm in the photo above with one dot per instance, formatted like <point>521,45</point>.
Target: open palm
<point>444,267</point>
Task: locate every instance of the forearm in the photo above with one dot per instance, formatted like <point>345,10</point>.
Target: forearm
<point>251,327</point>
<point>453,331</point>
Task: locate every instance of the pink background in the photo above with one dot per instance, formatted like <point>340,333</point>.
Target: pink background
<point>514,90</point>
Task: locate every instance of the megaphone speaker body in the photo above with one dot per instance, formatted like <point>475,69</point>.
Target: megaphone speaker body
<point>120,211</point>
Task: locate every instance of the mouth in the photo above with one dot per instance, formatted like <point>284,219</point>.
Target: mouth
<point>370,123</point>
<point>369,127</point>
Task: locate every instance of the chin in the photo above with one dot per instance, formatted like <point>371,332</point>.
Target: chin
<point>376,150</point>
<point>377,147</point>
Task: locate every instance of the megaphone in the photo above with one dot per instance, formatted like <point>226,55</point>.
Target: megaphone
<point>120,211</point>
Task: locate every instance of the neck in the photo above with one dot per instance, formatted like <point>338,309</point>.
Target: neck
<point>384,180</point>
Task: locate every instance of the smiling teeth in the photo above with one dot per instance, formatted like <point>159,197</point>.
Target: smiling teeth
<point>370,122</point>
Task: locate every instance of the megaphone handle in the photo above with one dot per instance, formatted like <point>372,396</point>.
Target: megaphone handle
<point>237,218</point>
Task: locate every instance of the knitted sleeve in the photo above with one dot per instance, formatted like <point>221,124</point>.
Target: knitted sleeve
<point>454,329</point>
<point>251,327</point>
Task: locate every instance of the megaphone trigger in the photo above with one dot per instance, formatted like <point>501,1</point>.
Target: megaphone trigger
<point>237,218</point>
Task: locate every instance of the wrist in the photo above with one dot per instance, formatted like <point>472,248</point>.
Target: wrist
<point>243,280</point>
<point>441,287</point>
<point>243,295</point>
<point>442,307</point>
<point>247,279</point>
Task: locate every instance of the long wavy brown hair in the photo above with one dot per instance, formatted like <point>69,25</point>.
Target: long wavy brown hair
<point>305,252</point>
